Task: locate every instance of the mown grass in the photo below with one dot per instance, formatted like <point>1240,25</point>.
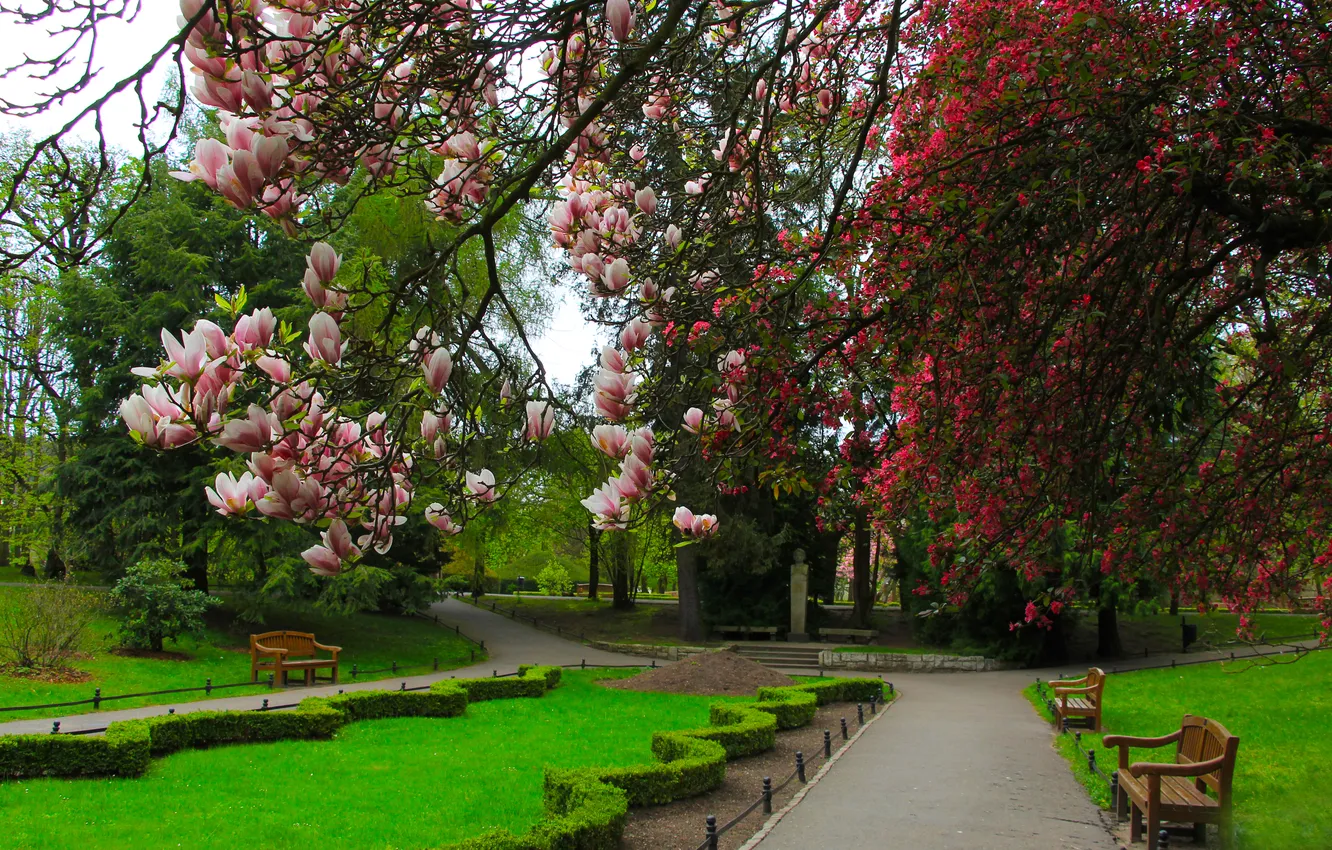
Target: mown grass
<point>370,641</point>
<point>1280,713</point>
<point>403,783</point>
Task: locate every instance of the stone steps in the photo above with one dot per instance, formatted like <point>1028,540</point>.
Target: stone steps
<point>789,656</point>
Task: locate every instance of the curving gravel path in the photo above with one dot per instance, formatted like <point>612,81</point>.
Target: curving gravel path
<point>508,644</point>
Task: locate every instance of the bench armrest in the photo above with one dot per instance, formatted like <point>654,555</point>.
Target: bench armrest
<point>1060,691</point>
<point>1058,683</point>
<point>1148,768</point>
<point>269,650</point>
<point>333,649</point>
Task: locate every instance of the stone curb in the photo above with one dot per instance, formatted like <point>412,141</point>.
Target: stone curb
<point>772,822</point>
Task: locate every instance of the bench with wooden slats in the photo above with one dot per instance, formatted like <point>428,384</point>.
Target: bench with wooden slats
<point>286,652</point>
<point>1178,791</point>
<point>1079,698</point>
<point>746,631</point>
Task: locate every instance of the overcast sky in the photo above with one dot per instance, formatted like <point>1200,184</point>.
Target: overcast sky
<point>121,50</point>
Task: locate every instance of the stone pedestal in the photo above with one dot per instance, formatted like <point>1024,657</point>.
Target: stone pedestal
<point>799,597</point>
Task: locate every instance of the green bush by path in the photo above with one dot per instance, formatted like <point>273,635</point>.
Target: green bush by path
<point>1280,713</point>
<point>370,641</point>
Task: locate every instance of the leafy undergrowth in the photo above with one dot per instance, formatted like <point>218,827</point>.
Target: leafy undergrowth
<point>597,620</point>
<point>370,641</point>
<point>410,782</point>
<point>1278,711</point>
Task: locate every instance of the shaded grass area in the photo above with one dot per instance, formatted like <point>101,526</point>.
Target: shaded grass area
<point>411,782</point>
<point>1279,712</point>
<point>1156,633</point>
<point>646,623</point>
<point>370,641</point>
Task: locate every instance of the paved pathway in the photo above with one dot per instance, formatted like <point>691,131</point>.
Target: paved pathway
<point>508,644</point>
<point>961,762</point>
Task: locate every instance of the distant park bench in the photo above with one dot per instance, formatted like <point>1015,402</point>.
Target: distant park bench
<point>855,634</point>
<point>1079,698</point>
<point>284,652</point>
<point>746,631</point>
<point>1177,791</point>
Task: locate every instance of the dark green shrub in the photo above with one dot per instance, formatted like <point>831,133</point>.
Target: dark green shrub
<point>530,682</point>
<point>313,718</point>
<point>122,751</point>
<point>155,604</point>
<point>444,699</point>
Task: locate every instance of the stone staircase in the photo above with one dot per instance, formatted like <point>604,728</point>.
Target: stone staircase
<point>780,654</point>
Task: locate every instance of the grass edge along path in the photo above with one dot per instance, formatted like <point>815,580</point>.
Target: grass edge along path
<point>585,807</point>
<point>1277,710</point>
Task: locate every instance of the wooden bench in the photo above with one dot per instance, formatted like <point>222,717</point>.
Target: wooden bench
<point>1177,791</point>
<point>855,634</point>
<point>746,631</point>
<point>1079,698</point>
<point>283,652</point>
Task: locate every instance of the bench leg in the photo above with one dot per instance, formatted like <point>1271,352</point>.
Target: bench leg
<point>1153,827</point>
<point>335,674</point>
<point>1135,823</point>
<point>1199,834</point>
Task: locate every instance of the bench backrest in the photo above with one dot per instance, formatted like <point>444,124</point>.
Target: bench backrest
<point>1202,740</point>
<point>1096,681</point>
<point>297,644</point>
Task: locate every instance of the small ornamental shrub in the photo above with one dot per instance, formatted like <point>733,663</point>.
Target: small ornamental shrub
<point>45,625</point>
<point>155,605</point>
<point>456,584</point>
<point>555,581</point>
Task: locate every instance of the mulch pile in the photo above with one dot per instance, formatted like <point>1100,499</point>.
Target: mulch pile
<point>49,676</point>
<point>709,673</point>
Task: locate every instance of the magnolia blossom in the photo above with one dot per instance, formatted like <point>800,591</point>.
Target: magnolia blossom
<point>436,516</point>
<point>612,359</point>
<point>606,506</point>
<point>481,485</point>
<point>233,496</point>
<point>646,200</point>
<point>327,560</point>
<point>693,420</point>
<point>614,394</point>
<point>540,420</point>
<point>673,237</point>
<point>697,527</point>
<point>325,342</point>
<point>635,334</point>
<point>324,262</point>
<point>611,440</point>
<point>254,433</point>
<point>187,356</point>
<point>437,366</point>
<point>620,16</point>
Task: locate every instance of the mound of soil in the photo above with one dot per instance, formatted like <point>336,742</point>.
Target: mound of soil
<point>709,673</point>
<point>46,675</point>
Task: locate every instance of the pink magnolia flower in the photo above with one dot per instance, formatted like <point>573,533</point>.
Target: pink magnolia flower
<point>690,525</point>
<point>683,519</point>
<point>234,496</point>
<point>437,366</point>
<point>327,560</point>
<point>255,330</point>
<point>275,367</point>
<point>614,393</point>
<point>433,424</point>
<point>620,15</point>
<point>637,154</point>
<point>436,516</point>
<point>635,479</point>
<point>673,237</point>
<point>325,342</point>
<point>636,333</point>
<point>161,402</point>
<point>540,420</point>
<point>481,485</point>
<point>324,262</point>
<point>506,392</point>
<point>646,199</point>
<point>693,420</point>
<point>611,440</point>
<point>187,355</point>
<point>271,154</point>
<point>612,359</point>
<point>138,416</point>
<point>254,433</point>
<point>696,187</point>
<point>606,506</point>
<point>210,155</point>
<point>642,444</point>
<point>616,276</point>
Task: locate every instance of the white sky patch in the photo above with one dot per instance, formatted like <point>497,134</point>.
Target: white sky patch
<point>566,346</point>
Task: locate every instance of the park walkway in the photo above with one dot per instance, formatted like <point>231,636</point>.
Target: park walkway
<point>960,762</point>
<point>507,643</point>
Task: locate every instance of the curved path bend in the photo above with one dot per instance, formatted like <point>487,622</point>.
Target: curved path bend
<point>508,644</point>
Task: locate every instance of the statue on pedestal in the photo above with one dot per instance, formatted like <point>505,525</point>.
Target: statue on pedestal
<point>799,596</point>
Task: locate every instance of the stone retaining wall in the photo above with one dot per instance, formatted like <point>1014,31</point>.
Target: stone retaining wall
<point>876,662</point>
<point>645,650</point>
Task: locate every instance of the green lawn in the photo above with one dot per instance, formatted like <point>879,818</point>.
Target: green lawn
<point>645,623</point>
<point>1280,714</point>
<point>403,783</point>
<point>369,641</point>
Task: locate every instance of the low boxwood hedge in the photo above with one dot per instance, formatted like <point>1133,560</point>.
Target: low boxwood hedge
<point>129,745</point>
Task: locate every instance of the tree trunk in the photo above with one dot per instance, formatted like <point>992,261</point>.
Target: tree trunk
<point>862,598</point>
<point>624,569</point>
<point>1108,644</point>
<point>196,567</point>
<point>902,568</point>
<point>55,567</point>
<point>21,554</point>
<point>1174,602</point>
<point>593,560</point>
<point>686,580</point>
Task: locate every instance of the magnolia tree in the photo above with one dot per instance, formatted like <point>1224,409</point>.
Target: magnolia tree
<point>663,142</point>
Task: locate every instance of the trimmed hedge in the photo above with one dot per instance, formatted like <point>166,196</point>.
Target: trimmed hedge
<point>129,745</point>
<point>829,690</point>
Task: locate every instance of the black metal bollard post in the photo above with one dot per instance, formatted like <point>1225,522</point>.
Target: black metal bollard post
<point>890,689</point>
<point>1077,737</point>
<point>767,795</point>
<point>800,766</point>
<point>208,687</point>
<point>403,688</point>
<point>874,701</point>
<point>844,735</point>
<point>55,727</point>
<point>483,646</point>
<point>654,664</point>
<point>436,663</point>
<point>1114,792</point>
<point>827,744</point>
<point>860,714</point>
<point>711,836</point>
<point>583,666</point>
<point>339,691</point>
<point>270,682</point>
<point>474,655</point>
<point>1163,839</point>
<point>97,697</point>
<point>496,674</point>
<point>1091,760</point>
<point>395,668</point>
<point>264,707</point>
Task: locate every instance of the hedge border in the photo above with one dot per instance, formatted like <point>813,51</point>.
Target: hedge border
<point>129,746</point>
<point>587,807</point>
